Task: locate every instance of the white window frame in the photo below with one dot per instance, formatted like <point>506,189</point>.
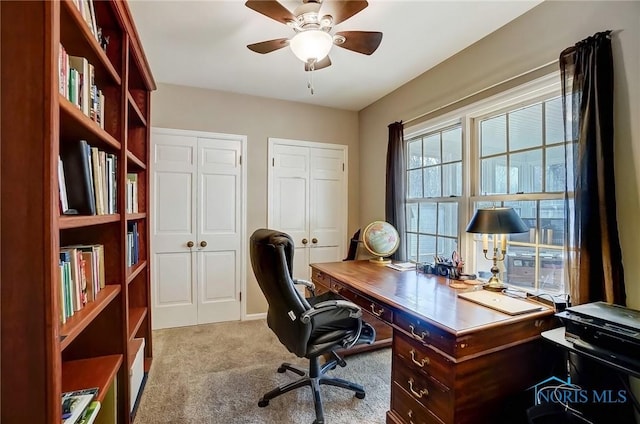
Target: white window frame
<point>469,116</point>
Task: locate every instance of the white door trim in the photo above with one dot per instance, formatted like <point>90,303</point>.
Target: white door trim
<point>243,211</point>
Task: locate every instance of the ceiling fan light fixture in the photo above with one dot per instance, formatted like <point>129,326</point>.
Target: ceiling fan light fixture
<point>311,44</point>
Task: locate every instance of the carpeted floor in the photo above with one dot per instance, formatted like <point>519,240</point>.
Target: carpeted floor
<point>215,373</point>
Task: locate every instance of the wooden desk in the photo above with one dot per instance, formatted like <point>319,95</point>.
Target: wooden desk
<point>453,361</point>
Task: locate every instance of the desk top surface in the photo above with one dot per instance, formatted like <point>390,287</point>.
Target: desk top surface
<point>426,296</point>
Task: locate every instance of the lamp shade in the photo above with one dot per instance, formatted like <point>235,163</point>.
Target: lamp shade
<point>496,221</point>
<point>311,44</point>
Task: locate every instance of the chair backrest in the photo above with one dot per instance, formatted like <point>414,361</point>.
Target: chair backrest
<point>272,260</point>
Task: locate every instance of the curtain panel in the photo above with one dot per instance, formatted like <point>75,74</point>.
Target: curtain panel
<point>395,186</point>
<point>591,234</point>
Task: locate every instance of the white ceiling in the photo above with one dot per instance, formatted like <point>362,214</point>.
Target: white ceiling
<point>203,44</point>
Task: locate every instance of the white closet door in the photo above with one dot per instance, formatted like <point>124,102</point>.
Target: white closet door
<point>219,230</point>
<point>307,200</point>
<point>173,220</point>
<point>198,196</point>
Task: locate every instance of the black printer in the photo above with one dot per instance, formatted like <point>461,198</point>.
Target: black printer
<point>609,331</point>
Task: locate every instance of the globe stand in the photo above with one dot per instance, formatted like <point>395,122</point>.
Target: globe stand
<point>380,260</point>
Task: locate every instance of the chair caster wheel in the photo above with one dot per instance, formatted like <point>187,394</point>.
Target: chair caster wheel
<point>342,363</point>
<point>282,370</point>
<point>318,421</point>
<point>360,395</point>
<point>262,403</point>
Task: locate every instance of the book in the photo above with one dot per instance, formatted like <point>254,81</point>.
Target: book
<point>90,413</point>
<point>74,404</point>
<point>78,178</point>
<point>402,266</point>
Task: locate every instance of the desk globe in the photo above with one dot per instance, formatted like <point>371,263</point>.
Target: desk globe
<point>381,240</point>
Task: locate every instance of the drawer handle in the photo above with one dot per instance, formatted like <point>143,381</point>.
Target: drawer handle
<point>422,363</point>
<point>336,289</point>
<point>410,415</point>
<point>423,392</point>
<point>376,313</point>
<point>420,336</point>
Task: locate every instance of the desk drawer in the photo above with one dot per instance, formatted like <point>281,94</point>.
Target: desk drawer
<point>371,306</point>
<point>320,278</point>
<point>433,396</point>
<point>423,359</point>
<point>426,333</point>
<point>408,409</point>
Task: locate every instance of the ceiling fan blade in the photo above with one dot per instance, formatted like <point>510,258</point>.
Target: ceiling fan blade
<point>318,65</point>
<point>341,10</point>
<point>271,9</point>
<point>365,42</point>
<point>269,46</point>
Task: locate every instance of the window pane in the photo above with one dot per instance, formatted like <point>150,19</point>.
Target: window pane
<point>494,175</point>
<point>448,219</point>
<point>432,150</point>
<point>428,218</point>
<point>520,266</point>
<point>551,270</point>
<point>426,248</point>
<point>446,246</point>
<point>414,184</point>
<point>452,145</point>
<point>526,172</point>
<point>432,182</point>
<point>554,130</point>
<point>412,217</point>
<point>414,149</point>
<point>412,247</point>
<point>452,179</point>
<point>527,210</point>
<point>552,222</point>
<point>555,169</point>
<point>525,128</point>
<point>493,136</point>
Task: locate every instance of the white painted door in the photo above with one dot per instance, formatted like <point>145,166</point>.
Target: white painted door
<point>308,200</point>
<point>197,198</point>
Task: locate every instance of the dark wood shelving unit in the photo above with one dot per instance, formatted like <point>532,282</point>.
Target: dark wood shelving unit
<point>95,346</point>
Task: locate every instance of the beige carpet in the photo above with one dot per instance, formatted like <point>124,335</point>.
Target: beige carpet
<point>215,373</point>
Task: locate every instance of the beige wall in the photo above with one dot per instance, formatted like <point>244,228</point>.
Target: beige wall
<point>259,118</point>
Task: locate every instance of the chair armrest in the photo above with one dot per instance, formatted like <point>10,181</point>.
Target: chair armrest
<point>308,284</point>
<point>327,305</point>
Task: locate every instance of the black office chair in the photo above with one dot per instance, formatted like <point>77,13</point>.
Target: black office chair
<point>309,327</point>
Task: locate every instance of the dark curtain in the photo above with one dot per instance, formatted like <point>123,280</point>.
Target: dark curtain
<point>395,189</point>
<point>594,255</point>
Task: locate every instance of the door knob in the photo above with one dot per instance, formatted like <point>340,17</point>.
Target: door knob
<point>305,241</point>
<point>314,240</point>
<point>203,243</point>
<point>189,244</point>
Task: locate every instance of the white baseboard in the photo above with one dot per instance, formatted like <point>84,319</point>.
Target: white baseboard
<point>262,315</point>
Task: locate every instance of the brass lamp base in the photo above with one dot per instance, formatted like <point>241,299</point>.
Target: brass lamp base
<point>494,284</point>
<point>380,261</point>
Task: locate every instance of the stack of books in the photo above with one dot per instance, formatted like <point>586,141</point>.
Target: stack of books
<point>80,407</point>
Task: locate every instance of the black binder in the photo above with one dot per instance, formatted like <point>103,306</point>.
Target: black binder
<point>76,161</point>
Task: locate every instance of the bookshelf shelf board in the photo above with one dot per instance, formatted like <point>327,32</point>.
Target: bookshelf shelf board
<point>133,271</point>
<point>81,319</point>
<point>136,216</point>
<point>136,316</point>
<point>136,118</point>
<point>77,221</point>
<point>76,125</point>
<point>71,25</point>
<point>131,158</point>
<point>92,372</point>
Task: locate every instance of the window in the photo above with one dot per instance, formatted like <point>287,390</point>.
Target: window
<point>516,150</point>
<point>434,185</point>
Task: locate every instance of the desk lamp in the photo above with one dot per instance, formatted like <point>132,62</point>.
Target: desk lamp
<point>498,222</point>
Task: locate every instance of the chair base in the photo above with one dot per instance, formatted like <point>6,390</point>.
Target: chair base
<point>314,378</point>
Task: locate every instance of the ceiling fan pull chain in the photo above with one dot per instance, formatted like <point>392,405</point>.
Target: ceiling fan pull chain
<point>312,63</point>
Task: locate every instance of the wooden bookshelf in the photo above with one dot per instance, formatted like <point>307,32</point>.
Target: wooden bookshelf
<point>42,356</point>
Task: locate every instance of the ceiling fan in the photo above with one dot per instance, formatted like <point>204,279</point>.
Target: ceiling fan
<point>312,23</point>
